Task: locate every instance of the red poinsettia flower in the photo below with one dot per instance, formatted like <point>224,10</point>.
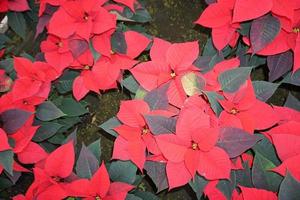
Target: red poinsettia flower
<point>83,17</point>
<point>49,179</point>
<point>88,80</point>
<point>193,148</point>
<point>219,17</point>
<point>243,110</point>
<point>14,5</point>
<point>34,79</point>
<point>169,62</point>
<point>58,52</point>
<point>98,187</point>
<point>134,135</point>
<point>114,63</point>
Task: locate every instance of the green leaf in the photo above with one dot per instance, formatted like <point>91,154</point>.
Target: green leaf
<point>46,131</point>
<point>243,177</point>
<point>87,164</point>
<point>130,84</point>
<point>213,98</point>
<point>266,148</point>
<point>262,177</point>
<point>145,195</point>
<point>209,49</point>
<point>17,23</point>
<point>95,148</point>
<point>198,184</point>
<point>72,108</point>
<point>227,186</point>
<point>132,197</point>
<point>6,160</point>
<point>47,111</point>
<point>289,188</point>
<point>122,171</point>
<point>264,90</point>
<point>231,80</point>
<point>109,125</point>
<point>65,83</point>
<point>157,172</point>
<point>292,102</point>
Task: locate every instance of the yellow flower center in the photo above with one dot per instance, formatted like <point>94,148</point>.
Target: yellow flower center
<point>145,131</point>
<point>296,30</point>
<point>173,74</point>
<point>86,16</point>
<point>112,52</point>
<point>86,67</point>
<point>234,111</point>
<point>98,198</point>
<point>59,44</point>
<point>195,146</point>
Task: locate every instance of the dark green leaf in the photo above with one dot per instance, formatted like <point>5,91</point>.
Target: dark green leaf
<point>95,148</point>
<point>263,31</point>
<point>47,111</point>
<point>14,119</point>
<point>198,184</point>
<point>145,195</point>
<point>17,23</point>
<point>130,84</point>
<point>118,42</point>
<point>289,188</point>
<point>213,98</point>
<point>157,99</point>
<point>236,141</point>
<point>157,173</point>
<point>292,102</point>
<point>46,131</point>
<point>87,164</point>
<point>72,108</point>
<point>109,125</point>
<point>161,125</point>
<point>262,176</point>
<point>231,80</point>
<point>6,161</point>
<point>264,90</point>
<point>122,171</point>
<point>227,186</point>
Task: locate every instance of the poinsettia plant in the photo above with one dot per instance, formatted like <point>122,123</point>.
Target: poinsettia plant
<point>196,118</point>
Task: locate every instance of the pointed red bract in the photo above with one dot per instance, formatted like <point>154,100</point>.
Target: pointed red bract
<point>61,161</point>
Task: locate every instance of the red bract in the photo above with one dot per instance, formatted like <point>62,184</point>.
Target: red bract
<point>128,3</point>
<point>83,17</point>
<point>49,180</point>
<point>27,151</point>
<point>14,5</point>
<point>3,141</point>
<point>169,62</point>
<point>134,135</point>
<point>218,16</point>
<point>243,110</point>
<point>98,187</point>
<point>34,79</point>
<point>193,148</point>
<point>253,193</point>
